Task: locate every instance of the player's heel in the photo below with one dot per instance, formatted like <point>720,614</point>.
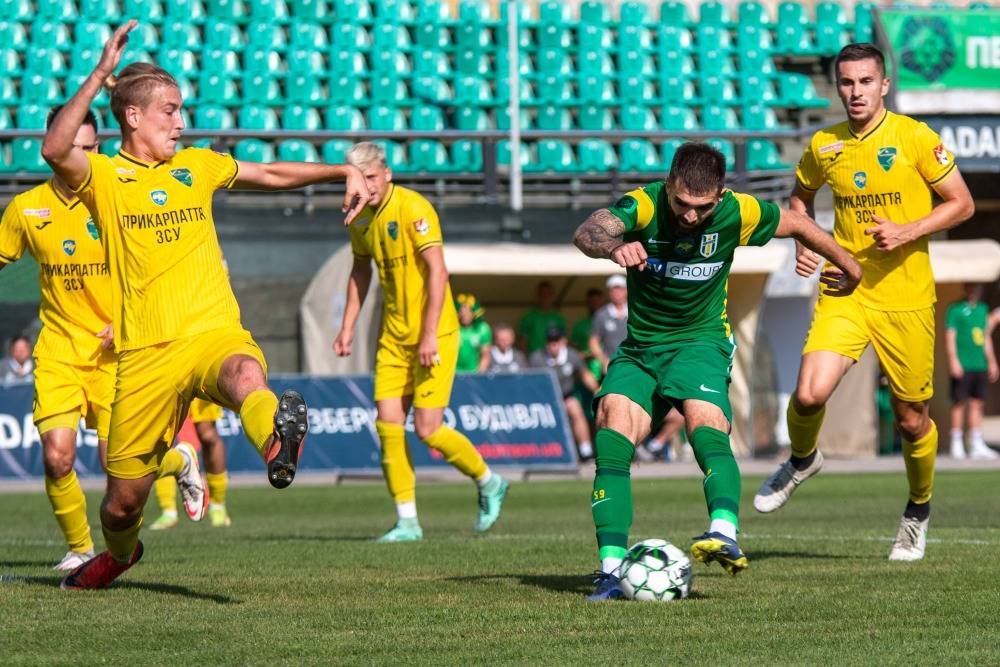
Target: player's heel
<point>291,424</point>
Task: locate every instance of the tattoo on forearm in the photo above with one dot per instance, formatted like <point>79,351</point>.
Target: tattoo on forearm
<point>599,234</point>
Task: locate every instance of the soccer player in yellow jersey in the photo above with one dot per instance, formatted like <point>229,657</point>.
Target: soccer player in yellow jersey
<point>881,167</point>
<point>176,321</point>
<point>418,349</point>
<point>75,352</point>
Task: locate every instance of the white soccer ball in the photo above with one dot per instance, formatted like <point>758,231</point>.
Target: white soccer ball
<point>655,570</point>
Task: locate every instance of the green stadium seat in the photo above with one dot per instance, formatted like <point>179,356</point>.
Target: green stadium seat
<point>46,35</point>
<point>638,155</point>
<point>134,56</point>
<point>671,39</point>
<point>504,155</point>
<point>472,91</point>
<point>56,10</point>
<point>753,12</point>
<point>634,38</point>
<point>254,150</point>
<point>297,150</point>
<point>678,119</point>
<point>387,61</point>
<point>725,147</point>
<point>431,89</point>
<point>179,62</point>
<point>553,61</point>
<point>427,119</point>
<point>304,89</point>
<point>473,36</point>
<point>111,146</point>
<point>192,11</point>
<point>10,63</point>
<point>26,155</point>
<point>794,39</point>
<point>391,38</point>
<point>310,10</point>
<point>265,36</point>
<point>674,13</point>
<point>352,11</point>
<point>678,90</point>
<point>639,88</point>
<point>713,38</point>
<point>755,61</point>
<point>590,38</point>
<point>180,35</point>
<point>344,119</point>
<point>756,89</point>
<point>553,12</point>
<point>554,155</point>
<point>503,119</point>
<point>473,12</point>
<point>305,62</point>
<point>31,117</point>
<point>797,91</point>
<point>335,151</point>
<point>428,155</point>
<point>386,119</point>
<point>346,62</point>
<point>471,63</point>
<point>13,36</point>
<point>262,62</point>
<point>716,90</point>
<point>73,83</point>
<point>637,118</point>
<point>554,89</point>
<point>143,36</point>
<point>394,11</point>
<point>524,39</point>
<point>349,37</point>
<point>349,89</point>
<point>222,61</point>
<point>471,119</point>
<point>632,63</point>
<point>216,89</point>
<point>763,155</point>
<point>502,66</point>
<point>5,122</point>
<point>229,10</point>
<point>467,155</point>
<point>595,62</point>
<point>395,154</point>
<point>111,123</point>
<point>89,35</point>
<point>213,117</point>
<point>758,117</point>
<point>8,91</point>
<point>40,89</point>
<point>146,11</point>
<point>752,38</point>
<point>389,90</point>
<point>523,12</point>
<point>667,150</point>
<point>830,13</point>
<point>206,142</point>
<point>793,13</point>
<point>432,37</point>
<point>260,89</point>
<point>553,37</point>
<point>502,95</point>
<point>432,64</point>
<point>17,10</point>
<point>596,155</point>
<point>676,64</point>
<point>714,13</point>
<point>715,63</point>
<point>595,118</point>
<point>299,117</point>
<point>220,34</point>
<point>553,118</point>
<point>596,89</point>
<point>274,11</point>
<point>864,22</point>
<point>634,13</point>
<point>716,117</point>
<point>432,11</point>
<point>830,39</point>
<point>980,6</point>
<point>594,13</point>
<point>5,165</point>
<point>257,117</point>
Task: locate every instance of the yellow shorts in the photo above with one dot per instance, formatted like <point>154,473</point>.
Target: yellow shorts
<point>398,372</point>
<point>903,341</point>
<point>204,411</point>
<point>66,392</point>
<point>154,388</point>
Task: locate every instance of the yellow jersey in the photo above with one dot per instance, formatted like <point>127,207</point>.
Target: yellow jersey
<point>887,171</point>
<point>73,272</point>
<point>404,225</point>
<point>168,280</point>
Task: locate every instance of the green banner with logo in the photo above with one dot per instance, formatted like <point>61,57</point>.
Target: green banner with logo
<point>941,49</point>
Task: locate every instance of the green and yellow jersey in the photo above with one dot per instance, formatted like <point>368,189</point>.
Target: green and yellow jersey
<point>887,172</point>
<point>682,292</point>
<point>400,228</point>
<point>968,321</point>
<point>73,272</point>
<point>168,280</point>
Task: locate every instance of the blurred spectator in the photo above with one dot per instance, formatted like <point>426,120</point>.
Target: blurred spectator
<point>610,323</point>
<point>972,364</point>
<point>18,364</point>
<point>569,368</point>
<point>579,336</point>
<point>504,357</point>
<point>475,335</point>
<point>544,316</point>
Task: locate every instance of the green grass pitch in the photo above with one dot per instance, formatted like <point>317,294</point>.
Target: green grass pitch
<point>297,580</point>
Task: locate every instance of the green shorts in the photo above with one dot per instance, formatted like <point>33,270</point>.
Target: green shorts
<point>658,377</point>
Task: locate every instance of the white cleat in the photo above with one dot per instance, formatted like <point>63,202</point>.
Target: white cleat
<point>957,451</point>
<point>73,560</point>
<point>911,540</point>
<point>191,484</point>
<point>778,488</point>
<point>982,452</point>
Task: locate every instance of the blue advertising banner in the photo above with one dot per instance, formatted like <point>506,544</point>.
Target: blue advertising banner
<point>513,420</point>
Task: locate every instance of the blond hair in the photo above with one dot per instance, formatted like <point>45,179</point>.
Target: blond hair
<point>365,154</point>
<point>134,86</point>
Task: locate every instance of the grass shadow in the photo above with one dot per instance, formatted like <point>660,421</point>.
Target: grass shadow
<point>169,589</point>
<point>768,554</point>
<point>576,584</point>
<point>26,579</point>
<point>26,563</point>
<point>311,538</point>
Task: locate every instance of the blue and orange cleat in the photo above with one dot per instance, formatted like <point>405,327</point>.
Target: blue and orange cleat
<point>99,571</point>
<point>291,423</point>
<point>607,588</point>
<point>721,549</point>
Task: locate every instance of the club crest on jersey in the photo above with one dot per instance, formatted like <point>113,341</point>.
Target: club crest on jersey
<point>709,244</point>
<point>183,175</point>
<point>684,246</point>
<point>941,154</point>
<point>69,247</point>
<point>92,230</point>
<point>887,157</point>
<point>422,227</point>
<point>860,179</point>
<point>159,197</point>
<point>393,230</point>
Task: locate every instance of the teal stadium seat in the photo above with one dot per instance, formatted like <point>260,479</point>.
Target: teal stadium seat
<point>302,118</point>
<point>472,91</point>
<point>471,63</point>
<point>678,90</point>
<point>186,88</point>
<point>503,119</point>
<point>714,13</point>
<point>257,117</point>
<point>638,88</point>
<point>17,10</point>
<point>553,12</point>
<point>389,90</point>
<point>428,155</point>
<point>473,12</point>
<point>48,35</point>
<point>222,61</point>
<point>716,117</point>
<point>755,61</point>
<point>524,16</point>
<point>213,117</point>
<point>597,89</point>
<point>431,89</point>
<point>678,119</point>
<point>830,39</point>
<point>432,12</point>
<point>553,61</point>
<point>216,89</point>
<point>596,155</point>
<point>8,90</point>
<point>594,13</point>
<point>180,35</point>
<point>632,63</point>
<point>593,38</point>
<point>502,95</point>
<point>344,119</point>
<point>386,119</point>
<point>39,89</point>
<point>5,120</point>
<point>254,150</point>
<point>90,35</point>
<point>179,62</point>
<point>725,147</point>
<point>192,11</point>
<point>10,63</point>
<point>637,118</point>
<point>432,64</point>
<point>274,11</point>
<point>348,89</point>
<point>633,13</point>
<point>864,22</point>
<point>432,37</point>
<point>831,13</point>
<point>144,36</point>
<point>306,63</point>
<point>99,10</point>
<point>757,89</point>
<point>638,155</point>
<point>472,119</point>
<point>346,62</point>
<point>797,91</point>
<point>553,37</point>
<point>133,56</point>
<point>389,62</point>
<point>220,34</point>
<point>13,35</point>
<point>427,119</point>
<point>335,151</point>
<point>595,62</point>
<point>31,117</point>
<point>391,38</point>
<point>472,36</point>
<point>667,150</point>
<point>715,63</point>
<point>304,89</point>
<point>676,64</point>
<point>504,160</point>
<point>793,30</point>
<point>297,150</point>
<point>467,156</point>
<point>763,154</point>
<point>230,10</point>
<point>358,11</point>
<point>554,155</point>
<point>266,63</point>
<point>57,10</point>
<point>716,90</point>
<point>752,38</point>
<point>349,37</point>
<point>554,89</point>
<point>502,65</point>
<point>26,155</point>
<point>394,11</point>
<point>146,11</point>
<point>674,13</point>
<point>595,118</point>
<point>395,155</point>
<point>758,117</point>
<point>713,38</point>
<point>524,39</point>
<point>554,118</point>
<point>310,10</point>
<point>752,12</point>
<point>265,36</point>
<point>111,146</point>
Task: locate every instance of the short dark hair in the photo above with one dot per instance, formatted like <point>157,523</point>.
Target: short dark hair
<point>18,338</point>
<point>90,119</point>
<point>859,51</point>
<point>700,167</point>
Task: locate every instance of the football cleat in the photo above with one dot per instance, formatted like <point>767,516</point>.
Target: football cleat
<point>490,503</point>
<point>721,549</point>
<point>73,560</point>
<point>778,488</point>
<point>165,521</point>
<point>911,539</point>
<point>291,424</point>
<point>607,588</point>
<point>218,516</point>
<point>99,571</point>
<point>192,484</point>
<point>405,530</point>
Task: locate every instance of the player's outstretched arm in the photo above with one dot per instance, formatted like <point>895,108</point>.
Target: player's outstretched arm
<point>70,162</point>
<point>802,201</point>
<point>291,175</point>
<point>357,290</point>
<point>600,236</point>
<point>957,207</point>
<point>840,281</point>
<point>437,285</point>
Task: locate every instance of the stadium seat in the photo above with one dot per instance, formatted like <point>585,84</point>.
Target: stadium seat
<point>638,88</point>
<point>633,63</point>
<point>472,63</point>
<point>432,64</point>
<point>714,13</point>
<point>46,35</point>
<point>389,62</point>
<point>502,66</point>
<point>389,90</point>
<point>395,154</point>
<point>346,63</point>
<point>428,155</point>
<point>299,117</point>
<point>667,150</point>
<point>715,63</point>
<point>471,119</point>
<point>431,89</point>
<point>310,10</point>
<point>212,117</point>
<point>473,36</point>
<point>111,146</point>
<point>554,155</point>
<point>265,63</point>
<point>348,89</point>
<point>503,119</point>
<point>554,89</point>
<point>674,13</point>
<point>31,116</point>
<point>344,118</point>
<point>274,11</point>
<point>13,35</point>
<point>504,154</point>
<point>755,61</point>
<point>297,150</point>
<point>26,155</point>
<point>349,37</point>
<point>753,12</point>
<point>5,121</point>
<point>265,36</point>
<point>57,10</point>
<point>502,95</point>
<point>751,37</point>
<point>595,118</point>
<point>473,12</point>
<point>307,36</point>
<point>90,35</point>
<point>391,38</point>
<point>864,22</point>
<point>178,62</point>
<point>39,89</point>
<point>8,90</point>
<point>596,155</point>
<point>10,63</point>
<point>146,11</point>
<point>593,38</point>
<point>358,11</point>
<point>596,89</point>
<point>180,35</point>
<point>716,90</point>
<point>678,118</point>
<point>134,56</point>
<point>222,61</point>
<point>306,63</point>
<point>725,147</point>
<point>473,90</point>
<point>676,64</point>
<point>433,12</point>
<point>230,10</point>
<point>386,119</point>
<point>427,118</point>
<point>553,61</point>
<point>553,12</point>
<point>633,12</point>
<point>335,151</point>
<point>257,117</point>
<point>260,89</point>
<point>759,117</point>
<point>678,90</point>
<point>192,11</point>
<point>254,150</point>
<point>99,10</point>
<point>524,39</point>
<point>394,11</point>
<point>594,13</point>
<point>637,118</point>
<point>830,13</point>
<point>554,118</point>
<point>716,117</point>
<point>797,90</point>
<point>217,89</point>
<point>830,39</point>
<point>595,62</point>
<point>713,38</point>
<point>467,155</point>
<point>638,155</point>
<point>523,12</point>
<point>144,36</point>
<point>756,89</point>
<point>553,37</point>
<point>763,154</point>
<point>432,37</point>
<point>17,10</point>
<point>304,89</point>
<point>792,32</point>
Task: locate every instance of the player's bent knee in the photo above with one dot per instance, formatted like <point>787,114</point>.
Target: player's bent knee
<point>58,453</point>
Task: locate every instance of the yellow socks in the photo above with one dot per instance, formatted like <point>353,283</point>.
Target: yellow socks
<point>919,457</point>
<point>396,464</point>
<point>172,464</point>
<point>803,430</point>
<point>257,415</point>
<point>70,507</point>
<point>166,493</point>
<point>217,484</point>
<point>458,451</point>
<point>121,543</point>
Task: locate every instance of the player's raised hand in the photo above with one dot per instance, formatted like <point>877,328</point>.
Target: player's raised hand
<point>806,261</point>
<point>343,342</point>
<point>357,194</point>
<point>888,235</point>
<point>113,49</point>
<point>630,254</point>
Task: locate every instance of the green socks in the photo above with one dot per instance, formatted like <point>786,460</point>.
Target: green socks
<point>722,474</point>
<point>611,500</point>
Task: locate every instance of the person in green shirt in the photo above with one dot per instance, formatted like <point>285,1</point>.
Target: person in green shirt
<point>972,365</point>
<point>536,321</point>
<point>475,335</point>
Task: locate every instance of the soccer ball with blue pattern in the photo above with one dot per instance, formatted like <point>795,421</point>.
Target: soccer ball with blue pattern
<point>655,570</point>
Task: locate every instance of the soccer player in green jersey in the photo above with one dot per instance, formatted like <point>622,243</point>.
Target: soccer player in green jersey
<point>676,239</point>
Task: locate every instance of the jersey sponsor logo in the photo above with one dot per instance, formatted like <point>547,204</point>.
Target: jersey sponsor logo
<point>886,157</point>
<point>183,175</point>
<point>125,172</point>
<point>159,197</point>
<point>684,271</point>
<point>941,154</point>
<point>92,230</point>
<point>836,148</point>
<point>43,224</point>
<point>626,204</point>
<point>37,212</point>
<point>860,179</point>
<point>684,246</point>
<point>393,230</point>
<point>709,244</point>
<point>422,227</point>
<point>654,242</point>
<point>69,247</point>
